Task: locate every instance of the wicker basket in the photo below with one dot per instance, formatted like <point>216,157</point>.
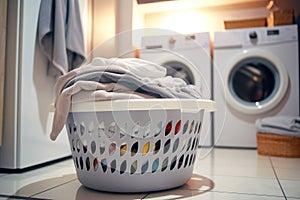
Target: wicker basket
<point>135,145</point>
<point>247,23</point>
<point>278,145</point>
<point>281,17</point>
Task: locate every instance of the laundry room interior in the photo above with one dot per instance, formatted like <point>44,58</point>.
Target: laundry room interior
<point>149,99</point>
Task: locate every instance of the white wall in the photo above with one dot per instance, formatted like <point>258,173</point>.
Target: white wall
<point>199,19</point>
<point>185,16</point>
<point>102,27</point>
<point>108,24</point>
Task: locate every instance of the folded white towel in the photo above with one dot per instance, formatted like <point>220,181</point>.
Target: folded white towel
<point>283,125</point>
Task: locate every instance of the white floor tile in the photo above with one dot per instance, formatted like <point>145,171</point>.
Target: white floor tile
<point>32,182</point>
<point>291,188</point>
<point>246,185</point>
<point>288,174</point>
<point>286,168</point>
<point>193,195</point>
<point>286,163</point>
<point>231,170</point>
<point>198,183</point>
<point>235,157</point>
<point>222,174</point>
<point>237,153</point>
<point>233,162</point>
<point>74,190</point>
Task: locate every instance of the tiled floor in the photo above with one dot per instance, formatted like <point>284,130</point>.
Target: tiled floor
<point>222,174</point>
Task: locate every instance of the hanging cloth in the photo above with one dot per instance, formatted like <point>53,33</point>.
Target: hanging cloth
<point>60,35</point>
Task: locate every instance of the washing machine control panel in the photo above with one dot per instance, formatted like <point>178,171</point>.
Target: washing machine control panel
<point>271,35</point>
<point>238,38</point>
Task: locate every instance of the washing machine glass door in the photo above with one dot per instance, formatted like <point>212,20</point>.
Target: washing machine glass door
<point>181,68</point>
<point>256,84</point>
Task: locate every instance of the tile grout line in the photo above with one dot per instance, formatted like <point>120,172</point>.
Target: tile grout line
<point>145,196</point>
<point>245,193</point>
<point>277,179</point>
<point>20,197</point>
<point>52,187</point>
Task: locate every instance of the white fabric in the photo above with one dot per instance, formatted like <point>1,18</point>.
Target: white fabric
<point>168,81</point>
<point>109,79</point>
<point>83,91</point>
<point>175,86</point>
<point>283,125</point>
<point>60,34</point>
<point>138,67</point>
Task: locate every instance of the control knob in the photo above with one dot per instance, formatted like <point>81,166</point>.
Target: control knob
<point>253,35</point>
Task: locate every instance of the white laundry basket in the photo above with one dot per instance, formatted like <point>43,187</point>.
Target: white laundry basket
<point>135,145</point>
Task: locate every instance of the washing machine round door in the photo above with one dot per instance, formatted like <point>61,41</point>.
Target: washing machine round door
<point>256,82</point>
<point>179,67</point>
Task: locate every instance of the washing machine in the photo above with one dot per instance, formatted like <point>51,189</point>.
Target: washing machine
<point>187,57</point>
<point>256,75</point>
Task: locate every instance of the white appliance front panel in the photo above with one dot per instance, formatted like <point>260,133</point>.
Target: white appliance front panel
<point>35,96</point>
<point>236,129</point>
<point>29,93</point>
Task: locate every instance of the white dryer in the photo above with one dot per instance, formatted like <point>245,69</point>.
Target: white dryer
<point>256,74</point>
<point>187,57</point>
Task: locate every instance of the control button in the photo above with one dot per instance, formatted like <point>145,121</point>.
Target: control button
<point>253,35</point>
<point>172,40</point>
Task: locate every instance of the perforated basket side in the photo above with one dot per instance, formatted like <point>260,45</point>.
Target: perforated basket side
<point>135,150</point>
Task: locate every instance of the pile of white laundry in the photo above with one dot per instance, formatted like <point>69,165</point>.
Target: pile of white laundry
<point>115,78</point>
